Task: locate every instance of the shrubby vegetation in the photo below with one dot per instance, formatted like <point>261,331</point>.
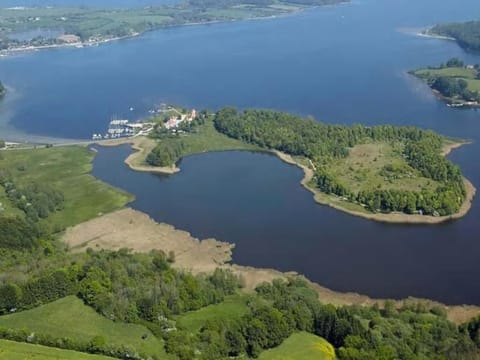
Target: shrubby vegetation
<point>144,289</point>
<point>190,138</point>
<point>324,144</point>
<point>43,191</point>
<point>282,308</point>
<point>453,80</point>
<point>123,286</point>
<point>467,34</point>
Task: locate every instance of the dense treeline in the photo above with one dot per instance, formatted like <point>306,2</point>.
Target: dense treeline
<point>143,288</point>
<point>17,233</point>
<point>467,34</point>
<point>323,143</point>
<point>2,89</point>
<point>167,153</point>
<point>451,86</point>
<point>123,286</point>
<point>358,333</point>
<point>37,201</point>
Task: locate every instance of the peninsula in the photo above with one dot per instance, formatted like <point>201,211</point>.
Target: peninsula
<point>116,284</point>
<point>25,28</point>
<point>467,34</point>
<point>454,82</point>
<point>383,173</point>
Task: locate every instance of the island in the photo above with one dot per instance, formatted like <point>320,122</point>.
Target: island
<point>467,34</point>
<point>24,28</point>
<point>454,82</point>
<point>85,278</point>
<point>384,173</point>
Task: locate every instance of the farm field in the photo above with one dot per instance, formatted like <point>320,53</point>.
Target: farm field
<point>69,317</point>
<point>11,350</point>
<point>301,346</point>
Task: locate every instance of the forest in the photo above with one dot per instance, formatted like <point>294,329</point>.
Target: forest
<point>467,34</point>
<point>326,145</point>
<point>2,90</point>
<point>145,289</point>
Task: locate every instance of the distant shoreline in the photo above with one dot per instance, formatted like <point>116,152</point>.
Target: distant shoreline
<point>83,44</point>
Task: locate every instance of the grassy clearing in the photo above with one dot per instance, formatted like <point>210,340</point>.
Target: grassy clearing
<point>232,308</point>
<point>458,72</point>
<point>67,169</point>
<point>301,346</point>
<point>469,75</point>
<point>11,350</point>
<point>379,166</point>
<point>205,138</point>
<point>69,317</point>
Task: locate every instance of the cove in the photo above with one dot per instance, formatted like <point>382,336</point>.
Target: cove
<point>256,201</point>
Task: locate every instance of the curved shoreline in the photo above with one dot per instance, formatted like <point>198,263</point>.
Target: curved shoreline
<point>395,218</point>
<point>135,161</point>
<point>143,145</point>
<point>137,231</point>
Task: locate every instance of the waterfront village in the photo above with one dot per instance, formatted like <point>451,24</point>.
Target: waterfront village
<point>166,116</point>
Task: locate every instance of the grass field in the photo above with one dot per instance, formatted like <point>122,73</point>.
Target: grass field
<point>66,169</point>
<point>11,350</point>
<point>459,72</point>
<point>301,346</point>
<point>469,75</point>
<point>207,139</point>
<point>232,308</point>
<point>365,169</point>
<point>69,317</point>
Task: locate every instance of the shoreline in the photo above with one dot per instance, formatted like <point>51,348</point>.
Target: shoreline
<point>428,34</point>
<point>137,231</point>
<point>319,197</point>
<point>394,218</point>
<point>135,161</point>
<point>79,44</point>
<point>84,44</point>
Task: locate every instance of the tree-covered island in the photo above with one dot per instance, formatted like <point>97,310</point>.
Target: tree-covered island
<point>467,34</point>
<point>454,82</point>
<point>376,170</point>
<point>24,28</point>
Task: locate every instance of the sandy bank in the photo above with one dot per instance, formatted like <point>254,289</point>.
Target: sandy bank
<point>135,230</point>
<point>128,228</point>
<point>339,204</point>
<point>136,161</point>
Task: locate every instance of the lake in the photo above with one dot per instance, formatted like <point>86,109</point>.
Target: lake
<point>344,64</point>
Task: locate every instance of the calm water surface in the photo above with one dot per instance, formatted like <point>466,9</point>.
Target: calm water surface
<point>342,64</point>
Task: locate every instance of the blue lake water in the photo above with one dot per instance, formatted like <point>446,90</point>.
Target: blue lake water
<point>342,64</point>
